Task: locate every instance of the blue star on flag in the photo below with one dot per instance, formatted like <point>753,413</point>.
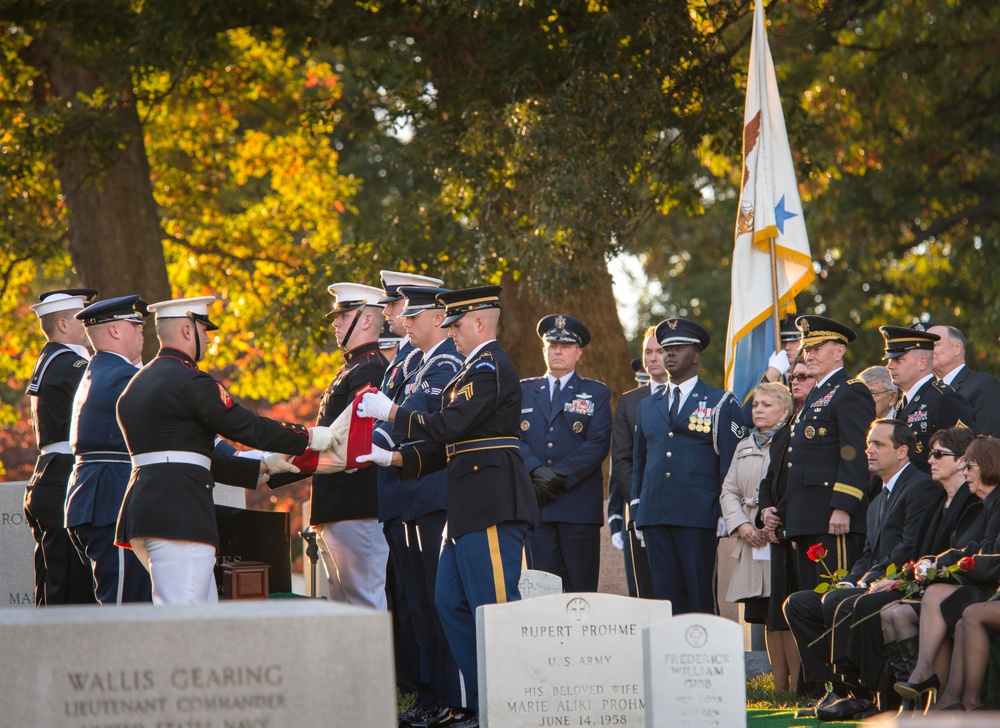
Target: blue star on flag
<point>780,215</point>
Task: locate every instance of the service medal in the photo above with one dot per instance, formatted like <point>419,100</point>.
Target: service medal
<point>578,427</point>
<point>810,432</point>
<point>525,425</point>
<point>691,426</point>
<point>822,432</point>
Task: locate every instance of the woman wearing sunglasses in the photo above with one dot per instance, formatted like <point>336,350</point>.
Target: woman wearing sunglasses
<point>801,382</point>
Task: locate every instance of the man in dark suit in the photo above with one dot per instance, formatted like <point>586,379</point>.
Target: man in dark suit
<point>823,466</point>
<point>925,404</point>
<point>102,464</point>
<point>981,389</point>
<point>491,499</point>
<point>893,519</point>
<point>684,443</point>
<point>345,505</point>
<point>565,436</point>
<point>61,577</point>
<point>637,574</point>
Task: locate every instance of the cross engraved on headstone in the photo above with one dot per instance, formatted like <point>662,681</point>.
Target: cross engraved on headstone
<point>578,609</point>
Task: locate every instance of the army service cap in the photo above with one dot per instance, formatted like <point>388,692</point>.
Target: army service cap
<point>460,302</point>
<point>817,330</point>
<point>899,340</point>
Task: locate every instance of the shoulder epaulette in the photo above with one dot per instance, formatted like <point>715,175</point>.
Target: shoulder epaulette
<point>593,381</point>
<point>856,381</point>
<point>531,379</point>
<point>941,386</point>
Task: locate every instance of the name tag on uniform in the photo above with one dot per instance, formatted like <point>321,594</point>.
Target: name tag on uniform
<point>527,410</point>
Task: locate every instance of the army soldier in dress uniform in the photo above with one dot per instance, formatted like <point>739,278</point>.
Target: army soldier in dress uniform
<point>925,404</point>
<point>424,503</point>
<point>402,582</point>
<point>491,500</point>
<point>637,576</point>
<point>170,414</point>
<point>345,505</point>
<point>824,467</point>
<point>684,443</point>
<point>102,464</point>
<point>61,577</point>
<point>981,389</point>
<point>565,436</point>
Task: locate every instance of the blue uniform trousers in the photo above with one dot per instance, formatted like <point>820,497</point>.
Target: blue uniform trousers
<point>423,540</point>
<point>682,565</point>
<point>481,567</point>
<point>404,593</point>
<point>571,551</point>
<point>119,576</point>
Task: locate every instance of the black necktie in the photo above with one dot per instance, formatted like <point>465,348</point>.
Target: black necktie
<point>902,403</point>
<point>675,404</point>
<point>555,396</point>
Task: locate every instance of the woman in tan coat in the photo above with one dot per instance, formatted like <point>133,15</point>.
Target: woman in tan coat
<point>751,579</point>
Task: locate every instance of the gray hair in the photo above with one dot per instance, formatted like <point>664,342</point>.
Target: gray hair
<point>878,376</point>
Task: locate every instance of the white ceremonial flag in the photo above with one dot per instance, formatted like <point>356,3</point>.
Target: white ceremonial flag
<point>769,208</point>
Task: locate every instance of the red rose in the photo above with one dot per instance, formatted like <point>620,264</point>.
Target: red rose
<point>816,552</point>
<point>966,563</point>
<point>908,568</point>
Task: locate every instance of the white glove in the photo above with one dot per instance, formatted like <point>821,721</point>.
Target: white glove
<point>779,360</point>
<point>378,455</point>
<point>323,438</point>
<point>720,528</point>
<point>275,462</point>
<point>617,541</point>
<point>375,405</point>
<point>640,538</point>
<point>262,478</point>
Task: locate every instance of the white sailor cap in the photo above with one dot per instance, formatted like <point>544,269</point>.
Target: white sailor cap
<point>393,279</point>
<point>349,296</point>
<point>67,299</point>
<point>195,309</point>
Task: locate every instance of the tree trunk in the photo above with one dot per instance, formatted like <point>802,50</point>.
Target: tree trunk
<point>607,356</point>
<point>115,239</point>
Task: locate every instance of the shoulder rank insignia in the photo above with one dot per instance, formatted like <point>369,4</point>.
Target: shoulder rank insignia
<point>465,391</point>
<point>224,396</point>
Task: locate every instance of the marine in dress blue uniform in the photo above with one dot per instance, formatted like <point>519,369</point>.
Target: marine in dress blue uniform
<point>684,443</point>
<point>61,577</point>
<point>491,499</point>
<point>925,403</point>
<point>345,505</point>
<point>170,414</point>
<point>412,674</point>
<point>565,436</point>
<point>102,464</point>
<point>823,469</point>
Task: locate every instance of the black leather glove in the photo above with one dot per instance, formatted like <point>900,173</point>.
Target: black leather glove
<point>548,484</point>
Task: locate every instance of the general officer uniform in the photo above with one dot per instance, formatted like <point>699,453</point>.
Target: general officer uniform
<point>930,405</point>
<point>565,436</point>
<point>425,515</point>
<point>491,500</point>
<point>345,505</point>
<point>61,577</point>
<point>102,464</point>
<point>824,464</point>
<point>170,414</point>
<point>637,576</point>
<point>402,585</point>
<point>682,454</point>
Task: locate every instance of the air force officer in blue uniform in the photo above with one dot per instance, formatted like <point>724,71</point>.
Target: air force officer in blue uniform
<point>684,443</point>
<point>565,436</point>
<point>102,465</point>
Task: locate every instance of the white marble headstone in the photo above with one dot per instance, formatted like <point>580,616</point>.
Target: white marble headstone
<point>265,664</point>
<point>569,659</point>
<point>17,548</point>
<point>535,583</point>
<point>694,673</point>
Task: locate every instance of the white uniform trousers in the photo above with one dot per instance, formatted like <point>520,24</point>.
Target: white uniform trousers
<point>182,572</point>
<point>355,554</point>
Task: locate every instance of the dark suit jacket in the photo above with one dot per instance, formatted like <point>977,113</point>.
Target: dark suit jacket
<point>893,538</point>
<point>983,392</point>
<point>622,443</point>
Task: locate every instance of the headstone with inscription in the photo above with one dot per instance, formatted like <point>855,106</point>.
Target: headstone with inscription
<point>535,583</point>
<point>17,548</point>
<point>694,673</point>
<point>565,660</point>
<point>252,664</point>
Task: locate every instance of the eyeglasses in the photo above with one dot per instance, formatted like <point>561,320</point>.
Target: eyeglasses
<point>881,391</point>
<point>938,454</point>
<point>969,466</point>
<point>800,377</point>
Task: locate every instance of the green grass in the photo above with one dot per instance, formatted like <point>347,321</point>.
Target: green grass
<point>761,695</point>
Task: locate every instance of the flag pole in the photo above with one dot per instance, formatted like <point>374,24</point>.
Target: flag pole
<point>775,312</point>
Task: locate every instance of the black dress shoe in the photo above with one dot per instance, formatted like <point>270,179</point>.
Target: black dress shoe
<point>409,717</point>
<point>472,721</point>
<point>845,709</point>
<point>829,699</point>
<point>912,689</point>
<point>441,717</point>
